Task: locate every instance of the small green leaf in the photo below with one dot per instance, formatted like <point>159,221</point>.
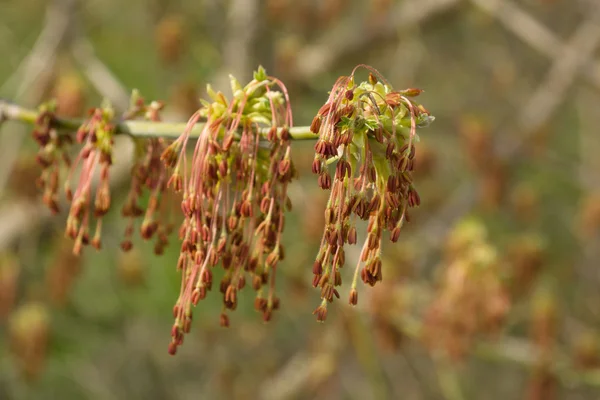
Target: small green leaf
<point>260,74</point>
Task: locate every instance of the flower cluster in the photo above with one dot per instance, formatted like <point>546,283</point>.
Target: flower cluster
<point>52,153</point>
<point>96,137</point>
<point>234,197</point>
<point>367,132</point>
<point>149,175</point>
<point>472,299</point>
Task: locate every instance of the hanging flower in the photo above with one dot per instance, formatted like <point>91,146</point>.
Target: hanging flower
<point>234,197</point>
<point>364,155</point>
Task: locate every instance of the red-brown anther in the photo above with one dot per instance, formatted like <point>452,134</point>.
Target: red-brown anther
<point>327,292</point>
<point>50,201</point>
<point>395,234</point>
<point>126,245</point>
<point>260,304</point>
<point>213,258</point>
<point>252,264</point>
<point>224,320</point>
<point>284,167</point>
<point>337,281</point>
<point>265,203</point>
<point>195,298</point>
<point>227,142</point>
<point>276,303</point>
<point>284,134</point>
<point>221,244</point>
<point>203,289</point>
<point>412,92</point>
<point>246,209</point>
<point>232,222</point>
<point>256,282</point>
<point>321,313</point>
<point>325,109</point>
<point>392,184</point>
<point>148,228</point>
<point>264,277</point>
<point>272,134</point>
<point>172,348</point>
<point>378,133</point>
<point>325,181</point>
<point>266,315</point>
<point>372,79</point>
<point>353,300</point>
<point>226,260</point>
<point>413,198</point>
<point>231,297</point>
<point>176,310</point>
<point>375,203</point>
<point>392,200</point>
<point>170,155</point>
<point>315,125</point>
<point>352,235</point>
<point>317,268</point>
<point>205,233</point>
<point>392,99</point>
<point>321,147</point>
<point>187,325</point>
<point>96,243</point>
<point>372,241</point>
<point>241,282</point>
<point>341,169</point>
<point>272,259</point>
<point>206,276</point>
<point>316,280</point>
<point>412,153</point>
<point>349,94</point>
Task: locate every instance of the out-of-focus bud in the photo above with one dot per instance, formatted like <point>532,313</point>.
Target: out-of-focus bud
<point>69,93</point>
<point>131,268</point>
<point>9,275</point>
<point>170,38</point>
<point>29,334</point>
<point>586,352</point>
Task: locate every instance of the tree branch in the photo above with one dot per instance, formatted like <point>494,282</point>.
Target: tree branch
<point>138,129</point>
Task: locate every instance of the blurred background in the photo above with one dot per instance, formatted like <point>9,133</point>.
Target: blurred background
<point>493,290</point>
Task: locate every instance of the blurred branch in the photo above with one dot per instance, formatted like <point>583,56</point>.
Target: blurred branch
<point>532,32</point>
<point>55,33</point>
<point>305,371</point>
<point>242,19</point>
<point>335,44</point>
<point>544,102</point>
<point>99,74</point>
<point>517,351</point>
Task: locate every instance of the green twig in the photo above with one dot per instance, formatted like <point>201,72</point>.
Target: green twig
<point>141,129</point>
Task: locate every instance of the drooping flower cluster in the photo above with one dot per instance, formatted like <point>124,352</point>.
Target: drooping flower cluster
<point>96,136</point>
<point>367,132</point>
<point>52,154</point>
<point>234,197</point>
<point>149,175</point>
<point>472,300</point>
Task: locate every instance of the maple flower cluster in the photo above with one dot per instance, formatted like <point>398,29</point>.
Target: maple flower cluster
<point>364,156</point>
<point>90,171</point>
<point>234,197</point>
